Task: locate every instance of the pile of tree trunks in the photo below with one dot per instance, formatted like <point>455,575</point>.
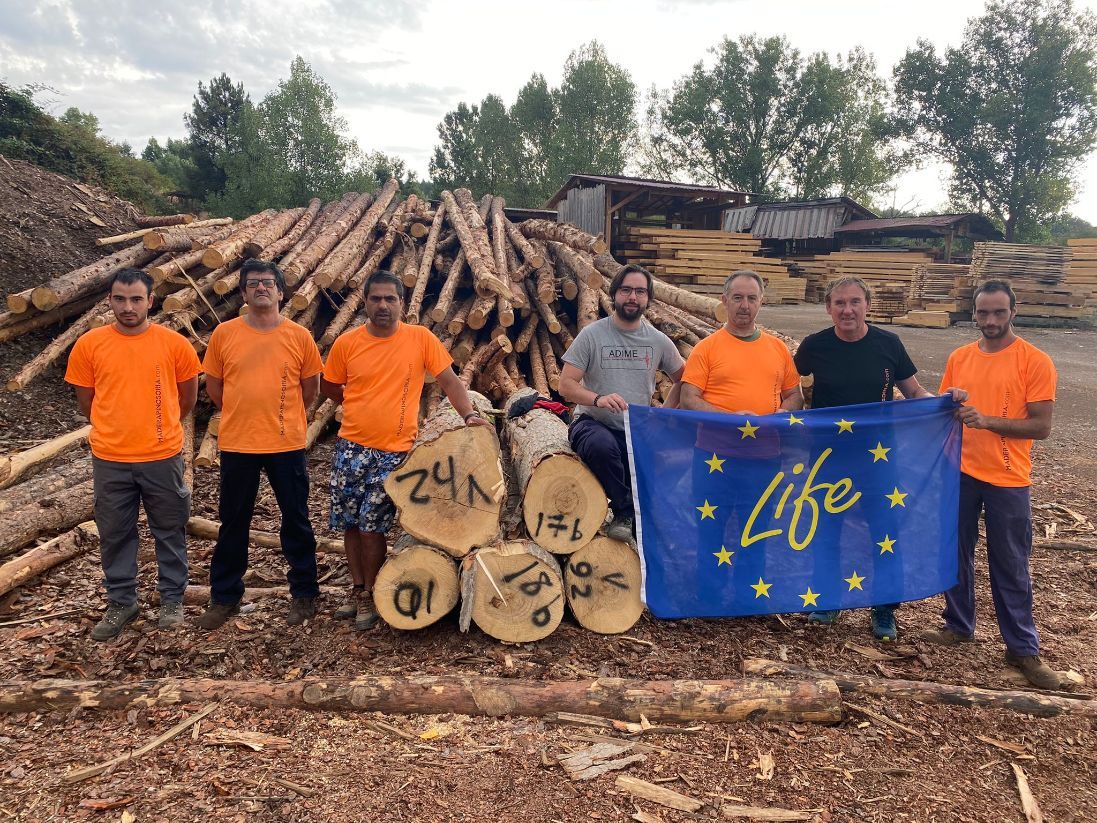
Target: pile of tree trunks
<point>504,521</point>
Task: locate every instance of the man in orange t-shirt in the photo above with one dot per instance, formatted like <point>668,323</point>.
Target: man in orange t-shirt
<point>377,373</point>
<point>136,381</point>
<point>262,372</point>
<point>1011,397</point>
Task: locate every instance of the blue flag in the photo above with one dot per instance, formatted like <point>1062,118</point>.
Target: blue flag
<point>832,508</point>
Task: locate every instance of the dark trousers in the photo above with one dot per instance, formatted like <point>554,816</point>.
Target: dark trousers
<point>120,489</point>
<point>288,476</point>
<point>1008,514</point>
<point>605,453</point>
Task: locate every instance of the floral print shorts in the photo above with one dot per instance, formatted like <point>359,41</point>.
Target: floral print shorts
<point>358,499</point>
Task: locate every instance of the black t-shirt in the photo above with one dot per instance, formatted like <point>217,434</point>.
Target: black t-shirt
<point>850,373</point>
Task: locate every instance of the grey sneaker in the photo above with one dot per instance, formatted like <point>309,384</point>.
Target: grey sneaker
<point>366,616</point>
<point>216,614</point>
<point>300,610</point>
<point>171,615</point>
<point>349,609</point>
<point>946,637</point>
<point>620,528</point>
<point>1035,670</point>
<point>114,620</point>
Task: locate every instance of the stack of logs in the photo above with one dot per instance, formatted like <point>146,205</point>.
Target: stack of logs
<point>505,299</point>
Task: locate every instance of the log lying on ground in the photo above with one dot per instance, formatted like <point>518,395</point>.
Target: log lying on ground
<point>326,240</point>
<point>450,489</point>
<point>709,701</point>
<point>61,549</point>
<point>80,282</point>
<point>602,582</point>
<point>287,242</point>
<point>563,233</point>
<point>207,530</point>
<point>200,595</point>
<point>39,320</point>
<point>45,485</point>
<point>563,504</point>
<point>513,592</point>
<point>231,248</point>
<point>416,587</point>
<point>687,301</point>
<point>14,466</point>
<point>921,691</point>
<point>152,221</point>
<point>52,514</point>
<point>273,230</point>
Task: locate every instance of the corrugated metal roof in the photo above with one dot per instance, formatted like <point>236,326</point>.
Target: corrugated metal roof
<point>794,220</point>
<point>883,224</point>
<point>663,186</point>
<point>740,219</point>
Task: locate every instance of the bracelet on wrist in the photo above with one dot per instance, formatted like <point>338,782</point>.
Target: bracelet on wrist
<point>470,415</point>
<point>597,397</point>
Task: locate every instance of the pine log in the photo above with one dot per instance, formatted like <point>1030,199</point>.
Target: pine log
<point>563,504</point>
<point>563,233</point>
<point>534,258</point>
<point>449,288</point>
<point>83,281</point>
<point>208,453</point>
<point>58,346</point>
<point>538,377</point>
<point>603,586</point>
<point>463,346</point>
<point>548,358</point>
<point>272,231</point>
<point>481,308</point>
<point>62,511</point>
<point>306,292</point>
<point>20,302</point>
<point>200,595</point>
<point>231,248</point>
<point>149,236</point>
<point>324,415</point>
<point>686,300</point>
<point>456,322</point>
<point>276,249</point>
<point>586,310</point>
<point>33,320</point>
<point>923,691</point>
<point>416,587</point>
<point>42,558</point>
<point>429,248</point>
<point>578,264</point>
<point>326,240</point>
<point>167,241</point>
<point>14,466</point>
<point>499,242</point>
<point>341,320</point>
<point>478,360</point>
<point>353,247</point>
<point>546,310</point>
<point>500,383</point>
<point>207,530</point>
<point>450,489</point>
<point>187,297</point>
<point>381,248</point>
<point>504,312</point>
<point>484,278</point>
<point>688,701</point>
<point>522,342</point>
<point>513,592</point>
<point>49,484</point>
<point>147,221</point>
<point>327,215</point>
<point>566,284</point>
<point>161,270</point>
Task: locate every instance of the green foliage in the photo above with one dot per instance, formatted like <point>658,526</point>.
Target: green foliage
<point>214,128</point>
<point>764,119</point>
<point>525,153</point>
<point>70,145</point>
<point>1013,110</point>
<point>175,161</point>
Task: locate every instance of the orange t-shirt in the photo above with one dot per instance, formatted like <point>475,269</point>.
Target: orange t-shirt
<point>735,375</point>
<point>135,412</point>
<point>1000,384</point>
<point>383,379</point>
<point>262,410</point>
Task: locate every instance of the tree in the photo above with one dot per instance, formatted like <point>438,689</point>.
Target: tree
<point>175,161</point>
<point>213,127</point>
<point>85,121</point>
<point>761,118</point>
<point>480,149</point>
<point>1013,110</point>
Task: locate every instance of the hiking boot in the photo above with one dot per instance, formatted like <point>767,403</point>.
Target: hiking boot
<point>1035,670</point>
<point>171,615</point>
<point>216,614</point>
<point>883,624</point>
<point>349,609</point>
<point>114,620</point>
<point>366,616</point>
<point>300,610</point>
<point>946,637</point>
<point>824,618</point>
<point>620,528</point>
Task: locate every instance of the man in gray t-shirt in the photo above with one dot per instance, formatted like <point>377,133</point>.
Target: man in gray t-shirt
<point>611,364</point>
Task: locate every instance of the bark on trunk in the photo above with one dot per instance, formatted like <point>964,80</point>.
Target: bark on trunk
<point>341,262</point>
<point>513,591</point>
<point>82,281</point>
<point>231,249</point>
<point>563,233</point>
<point>39,320</point>
<point>326,240</point>
<point>43,558</point>
<point>37,488</point>
<point>275,249</point>
<point>62,511</point>
<point>155,221</point>
<point>55,349</point>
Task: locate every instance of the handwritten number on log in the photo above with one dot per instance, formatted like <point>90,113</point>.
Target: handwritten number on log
<point>519,573</point>
<point>542,616</point>
<point>422,474</point>
<point>616,579</point>
<point>475,487</point>
<point>556,525</point>
<point>532,588</point>
<point>445,481</point>
<point>409,606</point>
<point>583,569</point>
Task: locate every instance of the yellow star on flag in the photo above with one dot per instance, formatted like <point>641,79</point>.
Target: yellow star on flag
<point>794,420</point>
<point>810,598</point>
<point>879,453</point>
<point>707,510</point>
<point>724,556</point>
<point>748,430</point>
<point>897,498</point>
<point>854,581</point>
<point>715,464</point>
<point>887,545</point>
<point>761,588</point>
<point>844,425</point>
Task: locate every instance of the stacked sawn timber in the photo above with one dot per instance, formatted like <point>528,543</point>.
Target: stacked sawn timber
<point>700,260</point>
<point>1038,275</point>
<point>506,300</point>
<point>940,295</point>
<point>888,273</point>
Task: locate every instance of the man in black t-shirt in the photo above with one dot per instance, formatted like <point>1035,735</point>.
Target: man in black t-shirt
<point>853,362</point>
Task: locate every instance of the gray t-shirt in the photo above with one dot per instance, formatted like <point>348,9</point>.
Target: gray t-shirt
<point>614,361</point>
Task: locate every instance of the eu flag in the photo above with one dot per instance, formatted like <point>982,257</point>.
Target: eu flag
<point>833,508</point>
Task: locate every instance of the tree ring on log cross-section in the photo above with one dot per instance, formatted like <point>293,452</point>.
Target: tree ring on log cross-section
<point>602,583</point>
<point>564,504</point>
<point>416,587</point>
<point>531,585</point>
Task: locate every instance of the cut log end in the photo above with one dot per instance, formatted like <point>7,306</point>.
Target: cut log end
<point>602,582</point>
<point>416,587</point>
<point>564,504</point>
<point>44,298</point>
<point>213,259</point>
<point>517,594</point>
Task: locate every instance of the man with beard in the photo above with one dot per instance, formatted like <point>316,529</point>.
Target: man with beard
<point>612,363</point>
<point>262,372</point>
<point>1011,393</point>
<point>136,381</point>
<point>376,372</point>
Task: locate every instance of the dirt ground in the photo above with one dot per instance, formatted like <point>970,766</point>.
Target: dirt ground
<point>940,763</point>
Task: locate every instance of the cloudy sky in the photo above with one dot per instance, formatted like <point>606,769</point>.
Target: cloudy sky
<point>399,67</point>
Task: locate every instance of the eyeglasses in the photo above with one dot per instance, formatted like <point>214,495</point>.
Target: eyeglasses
<point>266,282</point>
<point>628,291</point>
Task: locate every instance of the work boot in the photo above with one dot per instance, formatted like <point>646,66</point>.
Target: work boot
<point>946,637</point>
<point>114,620</point>
<point>1035,670</point>
<point>300,610</point>
<point>366,616</point>
<point>620,528</point>
<point>216,614</point>
<point>349,609</point>
<point>883,624</point>
<point>171,615</point>
<point>824,618</point>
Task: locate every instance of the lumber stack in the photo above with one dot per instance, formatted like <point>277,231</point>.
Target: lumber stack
<point>940,295</point>
<point>506,300</point>
<point>889,273</point>
<point>700,260</point>
<point>1081,276</point>
<point>1038,276</point>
